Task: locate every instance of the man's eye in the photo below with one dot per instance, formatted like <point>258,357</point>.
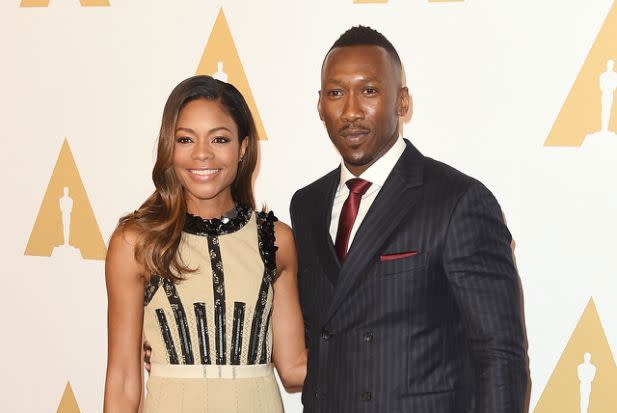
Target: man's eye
<point>335,93</point>
<point>220,139</point>
<point>370,91</point>
<point>184,139</point>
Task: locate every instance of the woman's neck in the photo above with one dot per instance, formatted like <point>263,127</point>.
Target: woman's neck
<point>211,208</point>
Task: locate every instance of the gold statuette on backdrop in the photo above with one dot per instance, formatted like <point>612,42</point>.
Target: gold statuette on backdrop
<point>589,114</point>
<point>65,225</point>
<point>220,60</point>
<point>83,3</point>
<point>585,378</point>
<point>68,403</point>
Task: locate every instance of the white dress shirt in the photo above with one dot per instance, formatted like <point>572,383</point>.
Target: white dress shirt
<point>377,174</point>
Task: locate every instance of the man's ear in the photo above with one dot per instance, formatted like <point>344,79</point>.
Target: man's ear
<point>319,106</point>
<point>405,103</point>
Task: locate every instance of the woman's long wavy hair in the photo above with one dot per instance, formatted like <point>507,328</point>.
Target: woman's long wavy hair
<point>160,219</point>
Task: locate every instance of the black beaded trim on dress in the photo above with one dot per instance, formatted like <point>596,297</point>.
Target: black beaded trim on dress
<point>236,335</point>
<point>202,331</point>
<point>151,289</point>
<point>218,285</point>
<point>169,343</point>
<point>267,249</point>
<point>181,322</point>
<point>218,226</point>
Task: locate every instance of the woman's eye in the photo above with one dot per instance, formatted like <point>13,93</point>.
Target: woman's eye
<point>220,139</point>
<point>184,139</point>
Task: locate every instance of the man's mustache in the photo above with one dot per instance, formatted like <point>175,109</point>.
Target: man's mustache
<point>353,128</point>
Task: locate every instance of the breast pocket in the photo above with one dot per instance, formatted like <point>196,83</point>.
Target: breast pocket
<point>395,263</point>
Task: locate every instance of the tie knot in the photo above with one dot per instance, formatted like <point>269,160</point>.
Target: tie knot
<point>358,186</point>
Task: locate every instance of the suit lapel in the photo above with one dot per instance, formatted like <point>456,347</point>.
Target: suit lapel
<point>323,206</point>
<point>395,199</point>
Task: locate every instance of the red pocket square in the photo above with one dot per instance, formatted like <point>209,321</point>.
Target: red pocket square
<point>397,256</point>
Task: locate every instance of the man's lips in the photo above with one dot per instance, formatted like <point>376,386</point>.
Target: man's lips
<point>351,132</point>
<point>354,136</point>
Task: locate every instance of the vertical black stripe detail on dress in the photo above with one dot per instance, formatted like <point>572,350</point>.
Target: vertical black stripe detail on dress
<point>236,338</point>
<point>256,326</point>
<point>264,345</point>
<point>267,249</point>
<point>218,284</point>
<point>202,332</point>
<point>169,343</point>
<point>180,316</point>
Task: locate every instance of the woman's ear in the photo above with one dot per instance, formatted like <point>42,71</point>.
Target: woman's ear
<point>243,146</point>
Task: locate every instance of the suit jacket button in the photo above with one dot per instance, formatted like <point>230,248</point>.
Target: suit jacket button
<point>368,336</point>
<point>366,396</point>
<point>325,335</point>
<point>319,395</point>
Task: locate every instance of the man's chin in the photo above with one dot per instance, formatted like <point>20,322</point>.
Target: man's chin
<point>357,163</point>
<point>356,158</point>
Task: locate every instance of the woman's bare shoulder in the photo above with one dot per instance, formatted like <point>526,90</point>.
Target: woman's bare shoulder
<point>121,251</point>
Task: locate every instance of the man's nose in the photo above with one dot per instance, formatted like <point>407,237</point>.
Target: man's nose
<point>352,111</point>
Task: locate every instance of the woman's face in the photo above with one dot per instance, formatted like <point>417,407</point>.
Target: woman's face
<point>206,154</point>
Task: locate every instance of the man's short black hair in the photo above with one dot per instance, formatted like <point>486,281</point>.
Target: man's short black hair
<point>366,36</point>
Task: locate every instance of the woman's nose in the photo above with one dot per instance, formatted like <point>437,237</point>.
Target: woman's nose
<point>202,151</point>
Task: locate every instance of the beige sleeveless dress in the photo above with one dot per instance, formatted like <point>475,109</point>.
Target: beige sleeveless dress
<point>210,334</point>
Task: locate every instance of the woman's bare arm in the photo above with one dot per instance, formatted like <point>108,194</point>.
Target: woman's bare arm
<point>288,348</point>
<point>125,295</point>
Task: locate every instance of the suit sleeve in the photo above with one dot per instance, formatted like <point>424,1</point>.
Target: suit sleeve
<point>294,213</point>
<point>479,265</point>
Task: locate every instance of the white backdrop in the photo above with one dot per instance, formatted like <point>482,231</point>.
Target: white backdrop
<point>488,79</point>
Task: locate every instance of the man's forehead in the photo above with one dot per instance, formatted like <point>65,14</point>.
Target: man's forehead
<point>366,61</point>
<point>357,78</point>
<point>357,52</point>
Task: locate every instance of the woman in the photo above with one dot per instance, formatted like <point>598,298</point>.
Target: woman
<point>208,282</point>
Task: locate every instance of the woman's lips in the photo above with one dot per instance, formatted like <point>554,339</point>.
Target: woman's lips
<point>203,174</point>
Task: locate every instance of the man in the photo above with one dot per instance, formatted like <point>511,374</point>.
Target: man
<point>407,282</point>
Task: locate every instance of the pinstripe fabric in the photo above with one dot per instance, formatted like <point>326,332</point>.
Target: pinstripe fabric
<point>439,331</point>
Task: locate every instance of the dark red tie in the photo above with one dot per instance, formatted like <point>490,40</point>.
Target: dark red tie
<point>357,188</point>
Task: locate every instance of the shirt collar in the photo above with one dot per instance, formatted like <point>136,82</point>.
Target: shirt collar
<point>378,172</point>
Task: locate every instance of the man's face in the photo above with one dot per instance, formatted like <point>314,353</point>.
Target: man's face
<point>360,102</point>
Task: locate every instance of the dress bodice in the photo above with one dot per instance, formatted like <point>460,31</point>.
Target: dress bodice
<point>220,313</point>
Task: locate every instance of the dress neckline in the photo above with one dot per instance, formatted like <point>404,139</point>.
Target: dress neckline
<point>228,224</point>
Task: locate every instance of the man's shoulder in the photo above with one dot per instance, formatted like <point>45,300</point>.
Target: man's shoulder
<point>440,173</point>
<point>434,174</point>
<point>453,184</point>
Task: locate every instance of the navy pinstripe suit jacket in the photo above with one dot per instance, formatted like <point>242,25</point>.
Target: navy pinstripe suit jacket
<point>438,331</point>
